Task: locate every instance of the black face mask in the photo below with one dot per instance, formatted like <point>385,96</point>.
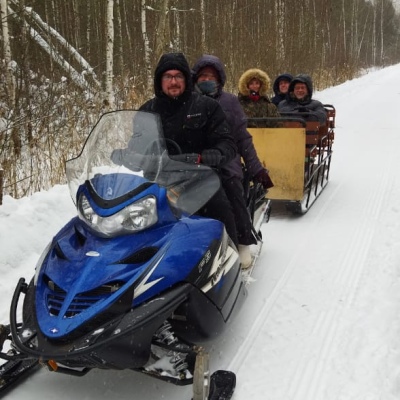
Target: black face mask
<point>209,88</point>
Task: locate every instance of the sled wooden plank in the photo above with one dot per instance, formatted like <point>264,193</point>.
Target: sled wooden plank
<point>281,150</point>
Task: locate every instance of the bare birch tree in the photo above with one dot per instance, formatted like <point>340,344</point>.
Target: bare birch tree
<point>344,27</point>
<point>203,45</point>
<point>109,100</point>
<point>10,85</point>
<point>161,39</point>
<point>279,31</point>
<point>373,38</point>
<point>118,33</point>
<point>7,52</point>
<point>382,58</point>
<point>146,43</point>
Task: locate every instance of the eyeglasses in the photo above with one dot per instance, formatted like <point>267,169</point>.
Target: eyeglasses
<point>177,77</point>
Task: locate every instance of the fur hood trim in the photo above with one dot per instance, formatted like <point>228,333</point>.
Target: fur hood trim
<point>250,74</point>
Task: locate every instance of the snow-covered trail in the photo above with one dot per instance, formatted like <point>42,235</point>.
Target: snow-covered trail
<point>313,325</point>
<point>322,318</point>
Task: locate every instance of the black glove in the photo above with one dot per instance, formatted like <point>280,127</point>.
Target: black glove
<point>264,178</point>
<point>211,157</point>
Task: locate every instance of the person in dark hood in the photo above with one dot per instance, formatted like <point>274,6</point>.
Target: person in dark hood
<point>253,86</point>
<point>209,79</point>
<point>299,99</point>
<point>281,87</point>
<point>197,124</point>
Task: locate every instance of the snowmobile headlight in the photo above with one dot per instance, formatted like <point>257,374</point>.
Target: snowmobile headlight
<point>133,218</point>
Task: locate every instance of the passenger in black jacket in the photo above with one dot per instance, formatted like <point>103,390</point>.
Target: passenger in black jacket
<point>299,100</point>
<point>197,124</point>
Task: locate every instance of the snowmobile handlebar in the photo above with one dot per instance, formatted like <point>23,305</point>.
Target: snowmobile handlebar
<point>190,158</point>
<point>193,158</point>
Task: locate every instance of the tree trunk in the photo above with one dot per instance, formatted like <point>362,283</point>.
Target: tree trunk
<point>147,51</point>
<point>7,53</point>
<point>161,37</point>
<point>118,40</point>
<point>280,32</point>
<point>373,39</point>
<point>109,100</point>
<point>203,45</point>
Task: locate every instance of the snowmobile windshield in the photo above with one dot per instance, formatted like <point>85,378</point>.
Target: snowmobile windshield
<point>126,149</point>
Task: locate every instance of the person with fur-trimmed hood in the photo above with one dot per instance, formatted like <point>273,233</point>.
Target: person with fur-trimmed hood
<point>254,85</point>
<point>281,87</point>
<point>299,100</point>
<point>197,124</point>
<point>209,79</point>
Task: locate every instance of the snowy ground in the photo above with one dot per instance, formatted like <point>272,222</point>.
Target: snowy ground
<point>322,320</point>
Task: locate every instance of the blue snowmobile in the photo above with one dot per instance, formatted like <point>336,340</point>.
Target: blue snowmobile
<point>136,280</point>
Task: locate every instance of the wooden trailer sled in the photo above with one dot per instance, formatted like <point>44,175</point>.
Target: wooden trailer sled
<point>298,156</point>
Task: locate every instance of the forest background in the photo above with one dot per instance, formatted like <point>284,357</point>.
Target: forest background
<point>64,63</point>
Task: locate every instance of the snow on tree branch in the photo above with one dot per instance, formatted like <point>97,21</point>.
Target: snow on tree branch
<point>85,65</point>
<point>77,77</point>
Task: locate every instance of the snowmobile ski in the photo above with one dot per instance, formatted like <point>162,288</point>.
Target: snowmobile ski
<point>13,371</point>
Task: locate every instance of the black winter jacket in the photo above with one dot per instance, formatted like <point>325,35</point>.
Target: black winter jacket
<point>293,105</point>
<point>192,121</point>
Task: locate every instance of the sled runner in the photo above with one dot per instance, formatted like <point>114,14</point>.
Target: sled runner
<point>136,280</point>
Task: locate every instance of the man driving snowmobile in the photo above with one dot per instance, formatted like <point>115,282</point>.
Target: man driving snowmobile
<point>197,124</point>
